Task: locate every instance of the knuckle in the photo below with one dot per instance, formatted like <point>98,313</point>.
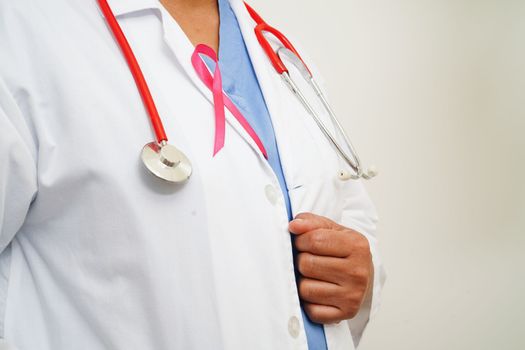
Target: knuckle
<point>343,275</point>
<point>351,312</point>
<point>317,240</point>
<point>345,269</point>
<point>362,243</point>
<point>352,305</point>
<point>360,273</point>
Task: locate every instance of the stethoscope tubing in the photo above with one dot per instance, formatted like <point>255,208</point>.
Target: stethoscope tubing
<point>169,163</point>
<point>351,158</point>
<point>136,71</point>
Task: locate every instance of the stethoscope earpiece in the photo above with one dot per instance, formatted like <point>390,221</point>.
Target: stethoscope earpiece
<point>370,172</point>
<point>345,175</point>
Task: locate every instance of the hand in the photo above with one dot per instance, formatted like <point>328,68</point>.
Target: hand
<point>336,267</point>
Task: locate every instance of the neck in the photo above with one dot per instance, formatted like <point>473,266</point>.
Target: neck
<point>195,4</point>
<point>199,19</point>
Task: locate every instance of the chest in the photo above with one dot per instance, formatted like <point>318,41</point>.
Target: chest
<point>91,122</point>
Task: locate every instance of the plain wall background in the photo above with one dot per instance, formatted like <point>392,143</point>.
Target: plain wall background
<point>433,93</point>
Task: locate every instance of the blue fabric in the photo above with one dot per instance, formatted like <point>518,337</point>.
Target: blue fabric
<point>241,84</point>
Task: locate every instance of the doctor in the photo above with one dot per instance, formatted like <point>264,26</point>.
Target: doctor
<point>96,253</point>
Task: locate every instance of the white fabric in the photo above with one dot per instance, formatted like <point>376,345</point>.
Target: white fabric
<point>98,254</point>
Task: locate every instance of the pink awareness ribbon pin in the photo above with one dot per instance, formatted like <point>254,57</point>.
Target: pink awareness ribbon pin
<point>220,99</point>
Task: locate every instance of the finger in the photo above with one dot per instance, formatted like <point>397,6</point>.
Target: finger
<point>326,242</point>
<point>320,292</point>
<point>323,268</point>
<point>323,313</point>
<point>305,222</point>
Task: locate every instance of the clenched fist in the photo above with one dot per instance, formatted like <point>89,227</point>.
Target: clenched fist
<point>335,265</point>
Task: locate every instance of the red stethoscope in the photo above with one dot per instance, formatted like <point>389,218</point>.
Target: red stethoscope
<point>169,163</point>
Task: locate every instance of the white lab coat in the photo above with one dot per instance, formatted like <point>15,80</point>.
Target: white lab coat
<point>98,254</point>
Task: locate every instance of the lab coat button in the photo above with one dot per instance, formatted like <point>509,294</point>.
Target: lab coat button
<point>271,194</point>
<point>294,327</point>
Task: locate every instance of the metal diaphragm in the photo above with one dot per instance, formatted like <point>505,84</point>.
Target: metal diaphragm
<point>166,162</point>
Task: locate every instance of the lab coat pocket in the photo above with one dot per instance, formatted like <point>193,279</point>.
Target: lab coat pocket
<point>321,197</point>
<point>312,177</point>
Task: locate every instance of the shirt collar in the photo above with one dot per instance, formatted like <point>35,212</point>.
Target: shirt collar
<point>123,7</point>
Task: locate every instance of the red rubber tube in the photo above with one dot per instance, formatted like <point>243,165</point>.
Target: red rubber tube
<point>262,27</point>
<point>255,16</point>
<point>134,67</point>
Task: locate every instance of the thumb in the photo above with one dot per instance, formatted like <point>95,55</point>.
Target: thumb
<point>306,222</point>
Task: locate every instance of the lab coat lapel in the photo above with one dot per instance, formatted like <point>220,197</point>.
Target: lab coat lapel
<point>182,49</point>
<point>273,88</point>
<point>173,35</point>
<point>123,7</point>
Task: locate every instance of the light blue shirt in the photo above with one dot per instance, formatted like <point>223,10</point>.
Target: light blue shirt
<point>242,86</point>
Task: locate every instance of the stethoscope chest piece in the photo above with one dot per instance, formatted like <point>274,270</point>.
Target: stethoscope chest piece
<point>166,162</point>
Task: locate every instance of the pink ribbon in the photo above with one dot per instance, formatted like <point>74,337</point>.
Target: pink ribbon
<point>220,99</point>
